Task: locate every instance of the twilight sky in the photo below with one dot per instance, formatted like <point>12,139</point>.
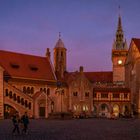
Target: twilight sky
<point>87,28</point>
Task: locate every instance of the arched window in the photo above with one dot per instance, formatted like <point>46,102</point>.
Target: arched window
<point>14,97</point>
<point>29,105</point>
<point>24,89</point>
<point>18,99</point>
<point>32,90</point>
<point>45,90</point>
<point>48,91</point>
<point>28,90</point>
<point>86,108</point>
<point>40,89</point>
<point>10,94</point>
<point>26,104</point>
<point>6,92</point>
<point>22,101</point>
<point>75,107</point>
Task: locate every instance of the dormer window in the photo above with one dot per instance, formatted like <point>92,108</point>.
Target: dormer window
<point>14,65</point>
<point>33,68</point>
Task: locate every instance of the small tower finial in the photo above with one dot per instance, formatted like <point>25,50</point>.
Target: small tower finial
<point>119,9</point>
<point>59,35</point>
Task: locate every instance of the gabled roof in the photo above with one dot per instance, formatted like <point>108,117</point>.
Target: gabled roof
<point>37,94</point>
<point>105,77</point>
<point>26,66</point>
<point>137,42</point>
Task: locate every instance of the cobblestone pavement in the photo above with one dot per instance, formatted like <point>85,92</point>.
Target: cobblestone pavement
<point>82,129</point>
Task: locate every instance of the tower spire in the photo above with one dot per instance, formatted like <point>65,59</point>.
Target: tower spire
<point>119,20</point>
<point>119,41</point>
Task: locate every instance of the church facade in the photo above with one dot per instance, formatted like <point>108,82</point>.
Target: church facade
<point>44,89</point>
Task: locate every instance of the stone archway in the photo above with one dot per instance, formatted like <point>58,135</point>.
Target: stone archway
<point>42,110</point>
<point>103,110</point>
<point>116,110</point>
<point>9,111</point>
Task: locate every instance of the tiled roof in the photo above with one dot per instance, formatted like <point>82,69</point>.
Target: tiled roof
<point>137,42</point>
<point>103,77</point>
<point>100,76</point>
<point>26,66</point>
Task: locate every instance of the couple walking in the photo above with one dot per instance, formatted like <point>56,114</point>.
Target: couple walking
<point>24,121</point>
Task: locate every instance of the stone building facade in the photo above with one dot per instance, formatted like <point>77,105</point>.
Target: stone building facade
<point>45,89</point>
<point>132,73</point>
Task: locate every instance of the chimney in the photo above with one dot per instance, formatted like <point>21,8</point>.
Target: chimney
<point>48,54</point>
<point>81,69</point>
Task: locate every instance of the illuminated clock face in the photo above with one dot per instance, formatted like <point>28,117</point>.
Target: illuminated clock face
<point>119,62</point>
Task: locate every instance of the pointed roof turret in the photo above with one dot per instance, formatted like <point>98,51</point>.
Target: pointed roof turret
<point>119,34</point>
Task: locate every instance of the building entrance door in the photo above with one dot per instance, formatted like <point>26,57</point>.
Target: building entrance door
<point>42,111</point>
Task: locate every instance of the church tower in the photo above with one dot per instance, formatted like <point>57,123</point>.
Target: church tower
<point>60,58</point>
<point>119,54</point>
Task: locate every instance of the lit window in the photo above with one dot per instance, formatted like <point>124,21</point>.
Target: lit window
<point>84,108</point>
<point>75,107</point>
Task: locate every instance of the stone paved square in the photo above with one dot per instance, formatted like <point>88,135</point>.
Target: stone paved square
<point>80,129</point>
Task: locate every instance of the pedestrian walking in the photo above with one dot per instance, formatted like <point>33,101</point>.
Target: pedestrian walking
<point>16,121</point>
<point>25,121</point>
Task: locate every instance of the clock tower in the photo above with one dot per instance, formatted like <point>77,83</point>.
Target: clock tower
<point>119,54</point>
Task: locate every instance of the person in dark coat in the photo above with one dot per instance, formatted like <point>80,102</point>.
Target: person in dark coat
<point>25,121</point>
<point>16,121</point>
